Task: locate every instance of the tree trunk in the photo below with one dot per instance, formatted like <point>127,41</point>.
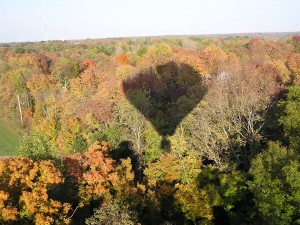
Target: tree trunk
<point>20,109</point>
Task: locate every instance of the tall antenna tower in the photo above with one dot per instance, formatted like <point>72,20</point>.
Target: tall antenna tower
<point>45,21</point>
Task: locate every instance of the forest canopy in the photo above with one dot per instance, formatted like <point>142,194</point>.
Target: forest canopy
<point>178,130</point>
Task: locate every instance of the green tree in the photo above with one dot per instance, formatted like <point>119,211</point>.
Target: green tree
<point>212,189</point>
<point>37,147</point>
<point>64,70</point>
<point>290,120</point>
<point>276,185</point>
<point>141,51</point>
<point>109,49</point>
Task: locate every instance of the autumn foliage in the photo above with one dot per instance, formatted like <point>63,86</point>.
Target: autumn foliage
<point>152,130</point>
<point>24,186</point>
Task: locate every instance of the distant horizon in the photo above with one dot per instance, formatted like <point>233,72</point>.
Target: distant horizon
<point>242,34</point>
<point>43,20</point>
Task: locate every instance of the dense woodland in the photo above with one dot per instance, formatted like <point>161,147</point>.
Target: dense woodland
<point>179,130</point>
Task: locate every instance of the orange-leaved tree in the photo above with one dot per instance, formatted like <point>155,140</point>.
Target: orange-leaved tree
<point>122,58</point>
<point>97,170</point>
<point>24,187</point>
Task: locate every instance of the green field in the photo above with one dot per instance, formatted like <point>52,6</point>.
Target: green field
<point>9,139</point>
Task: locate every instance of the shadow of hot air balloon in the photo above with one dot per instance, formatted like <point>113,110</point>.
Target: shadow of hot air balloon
<point>170,92</point>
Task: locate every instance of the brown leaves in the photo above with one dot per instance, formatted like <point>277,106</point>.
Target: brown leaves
<point>43,62</point>
<point>73,167</point>
<point>100,107</point>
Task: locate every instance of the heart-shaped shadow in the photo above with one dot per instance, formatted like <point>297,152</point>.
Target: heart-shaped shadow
<point>165,95</point>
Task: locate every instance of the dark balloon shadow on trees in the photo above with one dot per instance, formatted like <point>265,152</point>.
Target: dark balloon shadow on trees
<point>165,95</point>
<point>124,151</point>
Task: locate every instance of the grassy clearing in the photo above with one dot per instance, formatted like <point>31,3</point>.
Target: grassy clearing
<point>9,139</point>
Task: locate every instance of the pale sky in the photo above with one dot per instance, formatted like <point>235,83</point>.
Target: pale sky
<point>23,20</point>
